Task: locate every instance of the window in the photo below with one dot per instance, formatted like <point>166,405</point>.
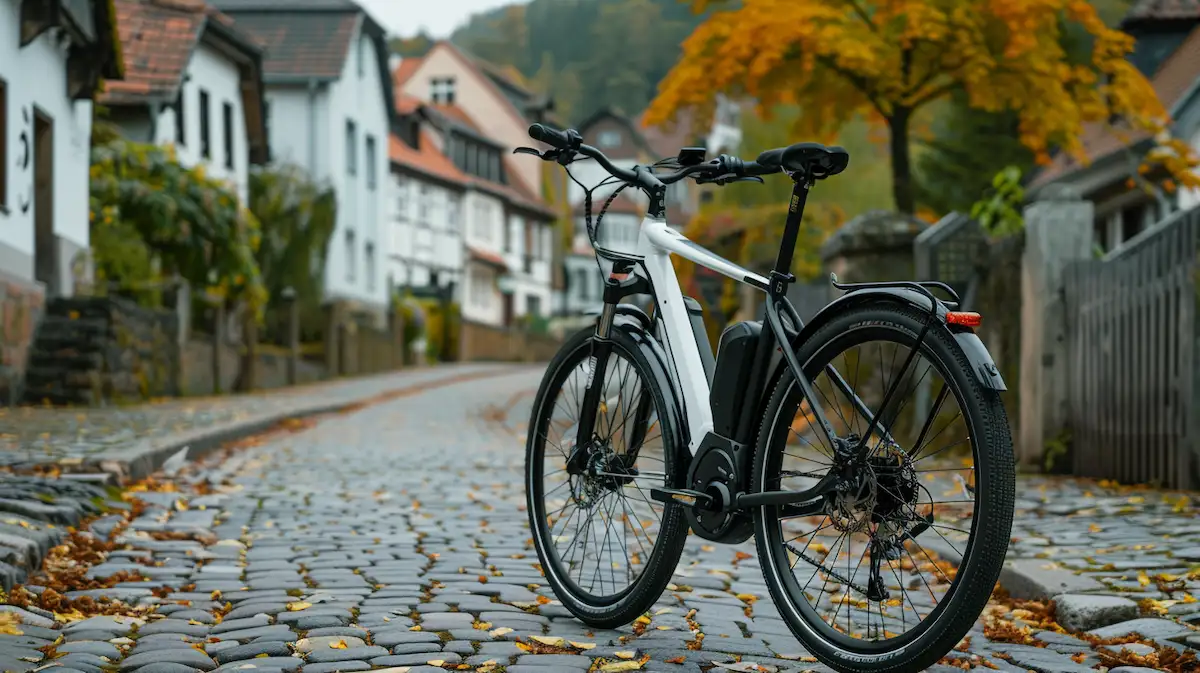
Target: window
<point>533,305</point>
<point>362,58</point>
<point>350,256</point>
<point>370,264</point>
<point>453,214</point>
<point>495,167</point>
<point>3,143</point>
<point>402,197</point>
<point>205,139</point>
<point>371,162</point>
<point>180,120</point>
<point>351,148</point>
<point>441,90</point>
<point>227,120</point>
<point>424,205</point>
<point>609,138</point>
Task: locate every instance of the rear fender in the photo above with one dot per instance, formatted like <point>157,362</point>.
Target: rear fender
<point>982,365</point>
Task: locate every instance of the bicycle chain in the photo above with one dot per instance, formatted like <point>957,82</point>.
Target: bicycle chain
<point>828,571</point>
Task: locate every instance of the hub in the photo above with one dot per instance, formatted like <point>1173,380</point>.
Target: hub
<point>715,472</point>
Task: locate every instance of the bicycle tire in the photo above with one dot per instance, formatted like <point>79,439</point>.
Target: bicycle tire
<point>627,605</point>
<point>978,570</point>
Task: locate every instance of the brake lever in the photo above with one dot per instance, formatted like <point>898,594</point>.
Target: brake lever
<point>548,155</point>
<point>723,180</point>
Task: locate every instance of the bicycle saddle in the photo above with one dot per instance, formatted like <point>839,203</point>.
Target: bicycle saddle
<point>812,159</point>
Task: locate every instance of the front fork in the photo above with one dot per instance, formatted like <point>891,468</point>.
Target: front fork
<point>593,392</point>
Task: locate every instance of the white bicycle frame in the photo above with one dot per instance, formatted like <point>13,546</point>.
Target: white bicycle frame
<point>656,242</point>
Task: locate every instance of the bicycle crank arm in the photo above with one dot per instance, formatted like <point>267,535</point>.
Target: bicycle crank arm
<point>812,498</point>
<point>681,495</point>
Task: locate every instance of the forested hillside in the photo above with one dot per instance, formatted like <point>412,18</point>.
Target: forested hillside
<point>590,53</point>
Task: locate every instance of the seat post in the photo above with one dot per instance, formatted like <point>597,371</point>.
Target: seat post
<point>791,229</point>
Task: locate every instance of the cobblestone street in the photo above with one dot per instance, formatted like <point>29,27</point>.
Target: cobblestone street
<point>395,536</point>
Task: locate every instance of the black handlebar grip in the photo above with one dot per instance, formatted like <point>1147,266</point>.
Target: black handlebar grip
<point>549,136</point>
<point>755,168</point>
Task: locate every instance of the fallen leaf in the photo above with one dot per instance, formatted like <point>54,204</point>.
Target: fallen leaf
<point>582,646</point>
<point>624,654</point>
<point>496,633</point>
<point>338,645</point>
<point>621,666</point>
<point>552,641</point>
<point>436,662</point>
<point>298,606</point>
<point>675,660</point>
<point>9,622</point>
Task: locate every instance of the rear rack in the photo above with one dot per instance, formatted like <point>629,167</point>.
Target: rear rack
<point>922,287</point>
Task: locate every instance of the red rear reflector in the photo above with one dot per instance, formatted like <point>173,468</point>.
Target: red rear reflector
<point>964,318</point>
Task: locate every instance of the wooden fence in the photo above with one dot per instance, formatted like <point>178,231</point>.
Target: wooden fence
<point>1132,339</point>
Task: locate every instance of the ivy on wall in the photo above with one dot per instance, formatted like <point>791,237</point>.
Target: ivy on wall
<point>153,218</point>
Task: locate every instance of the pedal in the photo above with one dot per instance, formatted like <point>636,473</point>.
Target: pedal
<point>680,495</point>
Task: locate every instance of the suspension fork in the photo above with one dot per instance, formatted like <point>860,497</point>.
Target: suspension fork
<point>594,390</point>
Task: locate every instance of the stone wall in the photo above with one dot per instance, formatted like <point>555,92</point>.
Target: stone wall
<point>97,350</point>
<point>486,343</point>
<point>271,370</point>
<point>21,306</point>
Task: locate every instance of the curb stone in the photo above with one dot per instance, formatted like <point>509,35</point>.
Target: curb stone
<point>143,458</point>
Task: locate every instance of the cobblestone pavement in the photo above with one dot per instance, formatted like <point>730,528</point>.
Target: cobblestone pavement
<point>41,435</point>
<point>395,537</point>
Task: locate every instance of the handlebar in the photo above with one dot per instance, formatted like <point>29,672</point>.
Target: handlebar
<point>724,166</point>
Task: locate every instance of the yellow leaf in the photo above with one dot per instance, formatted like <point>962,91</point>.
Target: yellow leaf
<point>624,654</point>
<point>298,606</point>
<point>264,655</point>
<point>338,645</point>
<point>215,595</point>
<point>482,626</point>
<point>436,662</point>
<point>553,641</point>
<point>582,646</point>
<point>621,666</point>
<point>1143,579</point>
<point>496,633</point>
<point>642,620</point>
<point>9,622</point>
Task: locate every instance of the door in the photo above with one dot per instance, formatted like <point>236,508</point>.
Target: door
<point>45,245</point>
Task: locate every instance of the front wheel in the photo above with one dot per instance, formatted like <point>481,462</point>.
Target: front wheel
<point>606,548</point>
<point>900,562</point>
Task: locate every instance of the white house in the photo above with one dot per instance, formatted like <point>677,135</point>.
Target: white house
<point>479,116</point>
<point>330,110</point>
<point>628,143</point>
<point>427,251</point>
<point>193,81</point>
<point>52,56</point>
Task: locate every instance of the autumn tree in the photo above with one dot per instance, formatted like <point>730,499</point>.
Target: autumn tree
<point>891,58</point>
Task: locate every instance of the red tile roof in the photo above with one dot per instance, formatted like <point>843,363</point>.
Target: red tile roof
<point>1175,77</point>
<point>302,44</point>
<point>157,38</point>
<point>406,104</point>
<point>457,114</point>
<point>486,256</point>
<point>424,159</point>
<point>407,68</point>
<point>667,139</point>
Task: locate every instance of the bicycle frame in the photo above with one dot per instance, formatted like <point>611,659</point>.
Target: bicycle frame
<point>656,242</point>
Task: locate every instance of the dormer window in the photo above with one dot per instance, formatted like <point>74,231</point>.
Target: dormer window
<point>609,139</point>
<point>441,90</point>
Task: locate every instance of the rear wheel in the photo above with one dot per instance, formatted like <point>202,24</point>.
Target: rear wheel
<point>900,563</point>
<point>606,548</point>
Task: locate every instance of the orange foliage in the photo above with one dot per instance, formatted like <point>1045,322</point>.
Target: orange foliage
<point>890,57</point>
